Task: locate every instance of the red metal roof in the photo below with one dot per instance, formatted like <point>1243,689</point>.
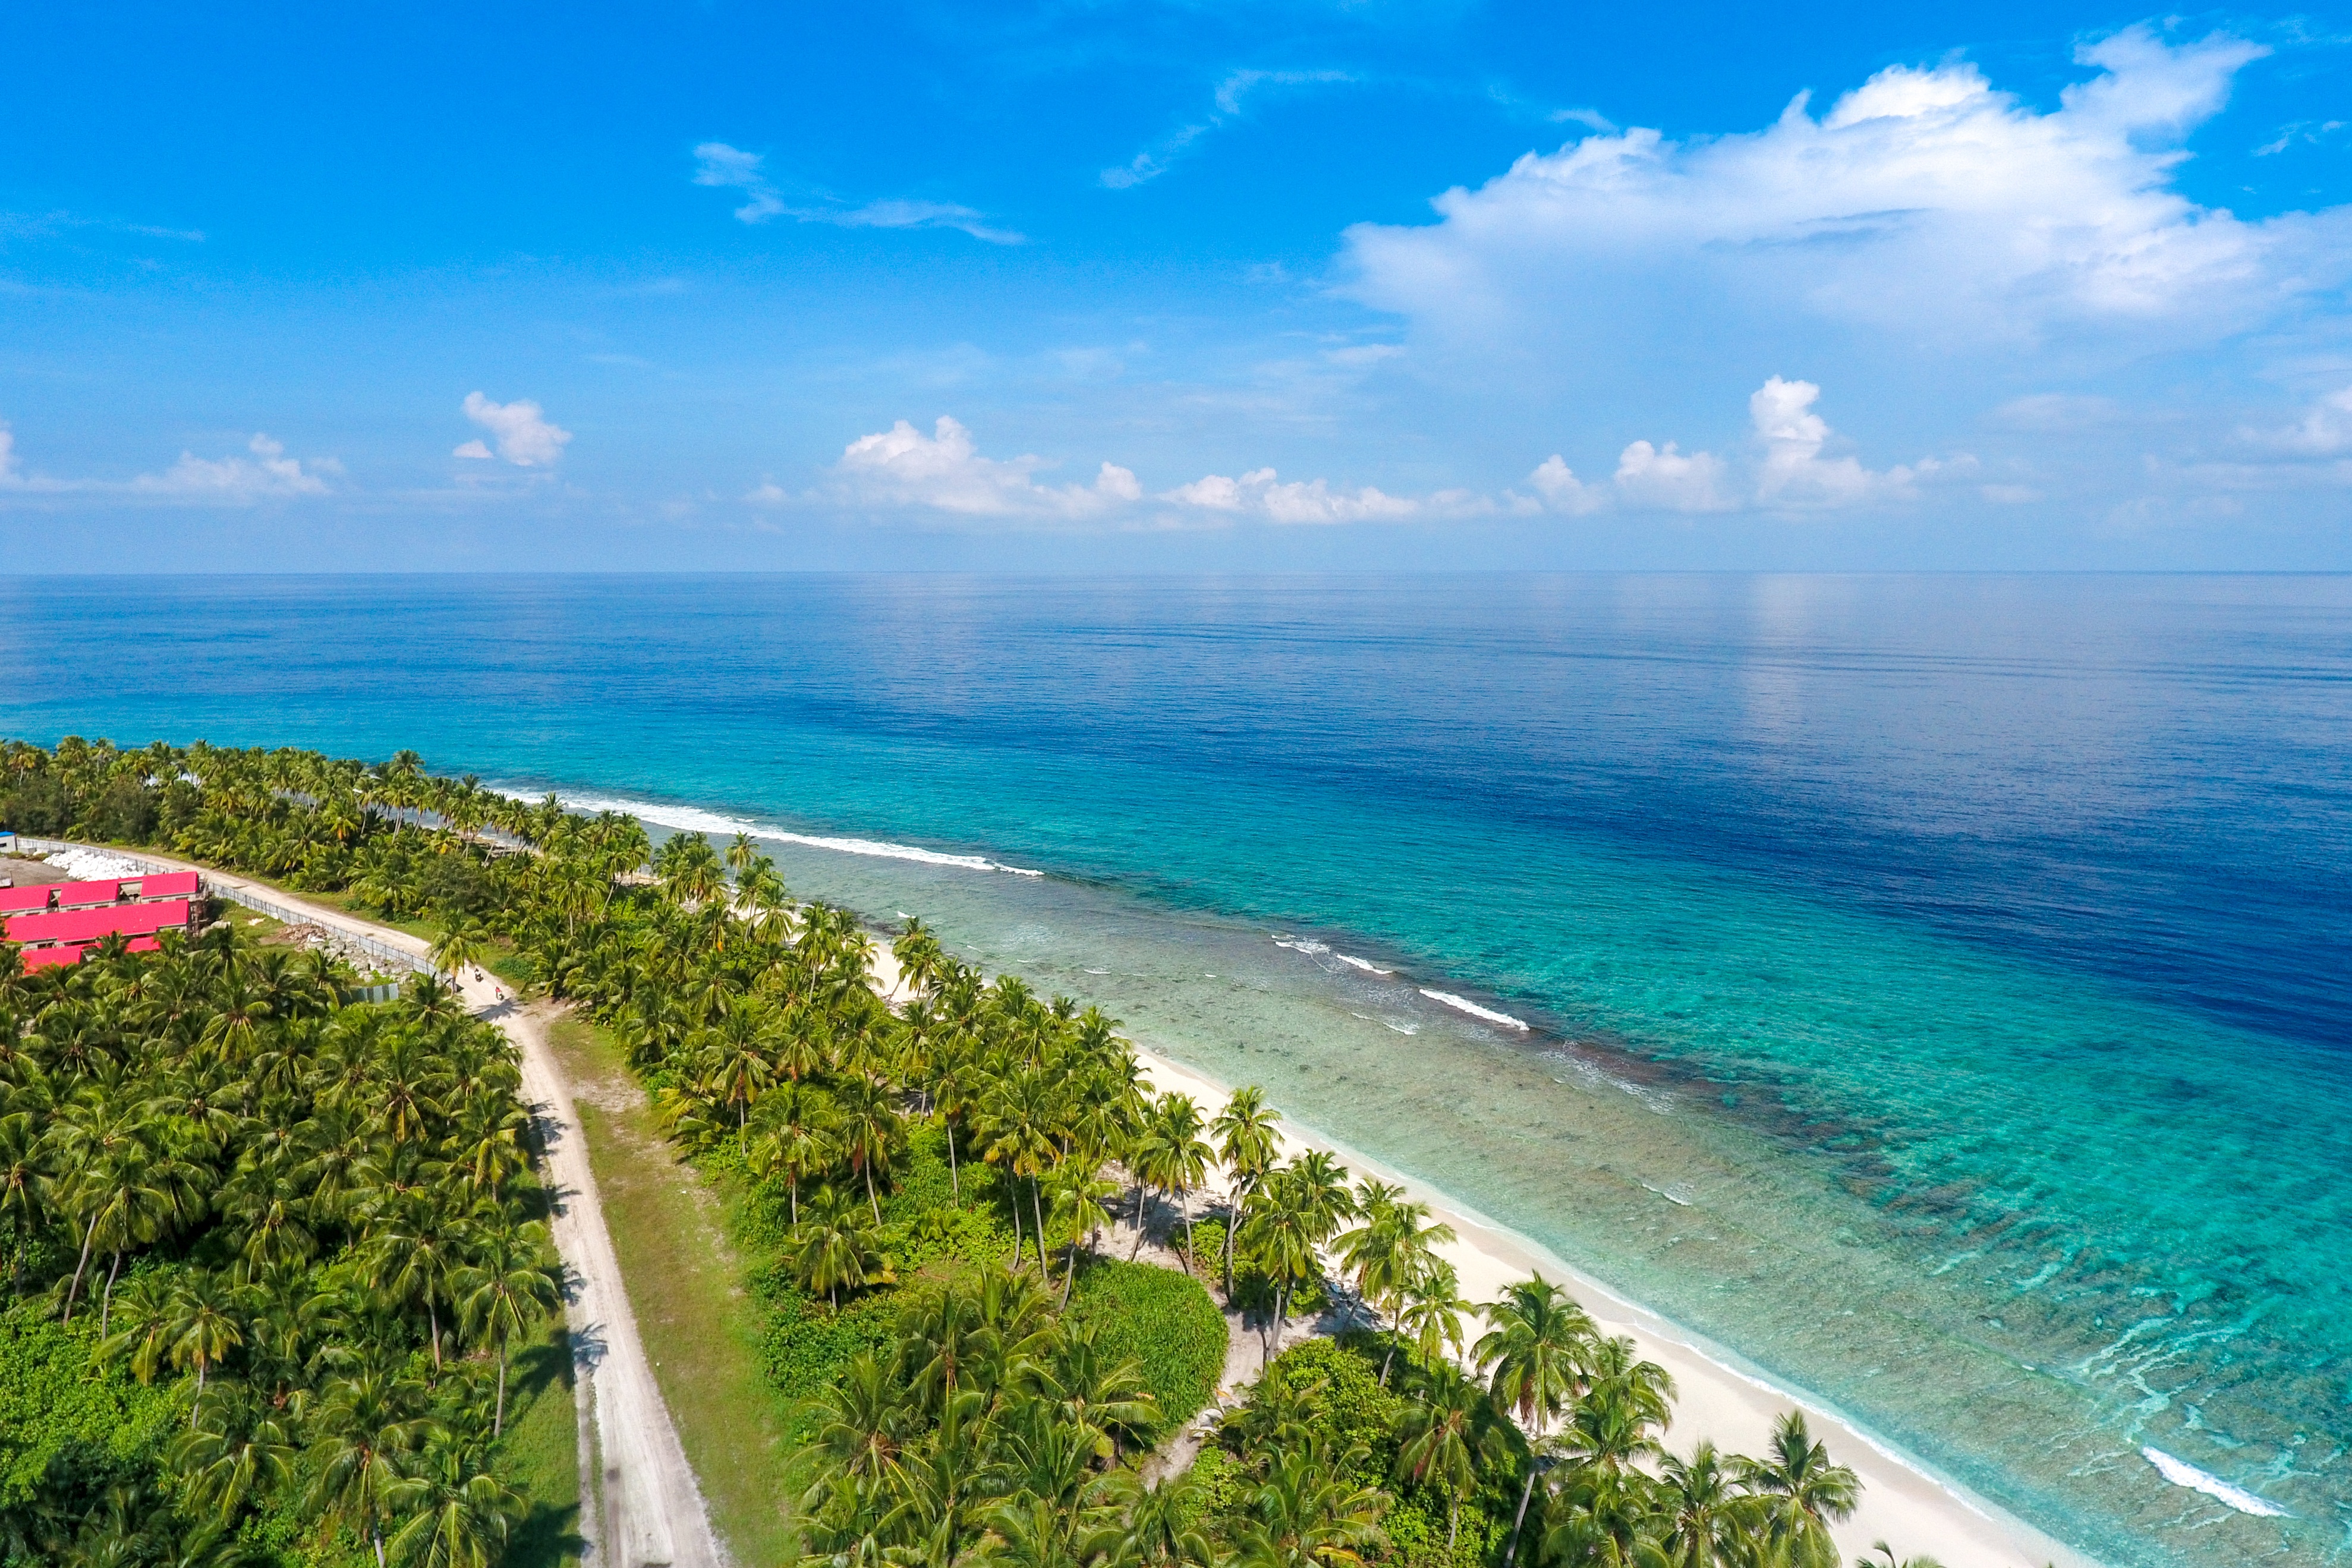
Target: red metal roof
<point>50,957</point>
<point>89,925</point>
<point>161,885</point>
<point>22,901</point>
<point>89,895</point>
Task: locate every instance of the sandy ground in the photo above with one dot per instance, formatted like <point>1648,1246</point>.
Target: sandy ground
<point>651,1511</point>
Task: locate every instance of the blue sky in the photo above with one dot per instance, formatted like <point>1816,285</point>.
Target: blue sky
<point>1177,287</point>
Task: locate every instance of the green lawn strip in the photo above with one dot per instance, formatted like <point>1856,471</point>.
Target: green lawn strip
<point>700,1327</point>
<point>542,1452</point>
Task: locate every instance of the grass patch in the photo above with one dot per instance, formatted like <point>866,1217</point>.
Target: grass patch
<point>1165,1320</point>
<point>700,1327</point>
<point>541,1448</point>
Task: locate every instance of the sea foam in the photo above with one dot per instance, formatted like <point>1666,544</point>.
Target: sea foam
<point>1464,1004</point>
<point>693,819</point>
<point>2182,1473</point>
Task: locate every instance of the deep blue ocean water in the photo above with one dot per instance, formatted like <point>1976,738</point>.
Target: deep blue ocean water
<point>1969,957</point>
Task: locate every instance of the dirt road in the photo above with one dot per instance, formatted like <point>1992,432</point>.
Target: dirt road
<point>639,1505</point>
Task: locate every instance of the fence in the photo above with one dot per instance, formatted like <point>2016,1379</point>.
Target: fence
<point>259,903</point>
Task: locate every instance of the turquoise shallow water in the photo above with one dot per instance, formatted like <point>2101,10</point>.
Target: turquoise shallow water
<point>1969,955</point>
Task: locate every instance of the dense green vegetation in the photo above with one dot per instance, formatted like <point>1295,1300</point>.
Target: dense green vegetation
<point>939,1193</point>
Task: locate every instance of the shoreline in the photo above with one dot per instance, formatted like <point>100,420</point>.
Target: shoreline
<point>1904,1503</point>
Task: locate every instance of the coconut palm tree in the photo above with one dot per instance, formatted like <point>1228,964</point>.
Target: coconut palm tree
<point>362,1435</point>
<point>1388,1252</point>
<point>1438,1444</point>
<point>1433,1311</point>
<point>1247,1143</point>
<point>1803,1492</point>
<point>504,1290</point>
<point>794,1131</point>
<point>834,1246</point>
<point>459,1513</point>
<point>1535,1356</point>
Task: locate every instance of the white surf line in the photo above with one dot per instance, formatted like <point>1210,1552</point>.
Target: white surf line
<point>1316,949</point>
<point>694,819</point>
<point>1464,1004</point>
<point>2182,1473</point>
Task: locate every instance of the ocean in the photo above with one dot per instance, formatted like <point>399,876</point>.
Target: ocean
<point>1937,990</point>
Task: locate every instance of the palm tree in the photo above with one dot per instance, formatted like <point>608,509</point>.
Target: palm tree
<point>1437,1448</point>
<point>1803,1493</point>
<point>360,1436</point>
<point>1307,1513</point>
<point>202,1321</point>
<point>1886,1559</point>
<point>1535,1356</point>
<point>1080,1196</point>
<point>1176,1157</point>
<point>834,1246</point>
<point>1163,1528</point>
<point>464,946</point>
<point>1279,1229</point>
<point>1433,1311</point>
<point>867,1126</point>
<point>506,1289</point>
<point>1388,1252</point>
<point>458,1512</point>
<point>225,1466</point>
<point>796,1136</point>
<point>1247,1142</point>
<point>1703,1497</point>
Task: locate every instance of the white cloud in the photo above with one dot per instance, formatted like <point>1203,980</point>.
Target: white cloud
<point>1561,490</point>
<point>2324,431</point>
<point>1795,474</point>
<point>901,467</point>
<point>1665,477</point>
<point>718,165</point>
<point>525,436</point>
<point>1925,201</point>
<point>265,473</point>
<point>1227,101</point>
<point>1260,493</point>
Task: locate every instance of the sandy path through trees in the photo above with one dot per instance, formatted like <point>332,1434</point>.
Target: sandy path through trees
<point>652,1511</point>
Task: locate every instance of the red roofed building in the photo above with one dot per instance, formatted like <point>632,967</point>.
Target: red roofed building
<point>59,922</point>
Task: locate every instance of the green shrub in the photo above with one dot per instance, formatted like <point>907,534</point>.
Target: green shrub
<point>1165,1320</point>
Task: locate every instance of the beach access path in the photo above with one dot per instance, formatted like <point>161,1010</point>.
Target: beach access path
<point>639,1504</point>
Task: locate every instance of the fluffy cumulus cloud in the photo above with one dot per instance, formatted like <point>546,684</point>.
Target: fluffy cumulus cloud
<point>520,431</point>
<point>263,472</point>
<point>2324,431</point>
<point>1789,470</point>
<point>1923,201</point>
<point>1262,494</point>
<point>731,168</point>
<point>902,469</point>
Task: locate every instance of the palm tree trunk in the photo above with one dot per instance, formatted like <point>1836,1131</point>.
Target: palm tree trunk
<point>376,1535</point>
<point>434,1318</point>
<point>1138,1251</point>
<point>1016,1231</point>
<point>1185,1199</point>
<point>1070,1274</point>
<point>75,1289</point>
<point>1038,1212</point>
<point>795,1183</point>
<point>1453,1522</point>
<point>106,1305</point>
<point>955,1182</point>
<point>498,1416</point>
<point>1396,1332</point>
<point>869,1193</point>
<point>1521,1517</point>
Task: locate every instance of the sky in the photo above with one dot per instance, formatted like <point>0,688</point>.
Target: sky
<point>1113,286</point>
